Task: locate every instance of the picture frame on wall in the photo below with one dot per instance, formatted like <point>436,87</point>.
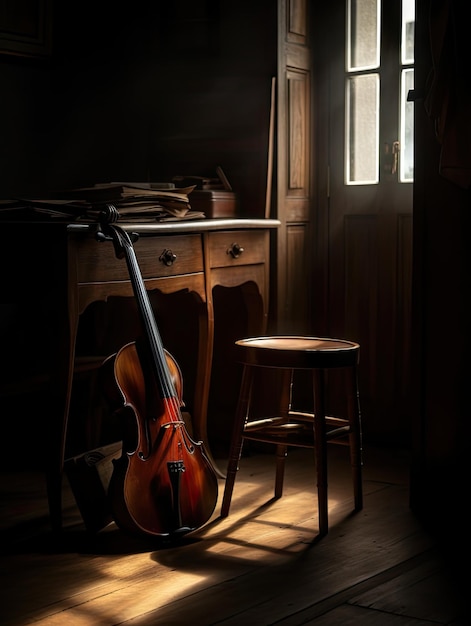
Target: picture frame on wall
<point>26,28</point>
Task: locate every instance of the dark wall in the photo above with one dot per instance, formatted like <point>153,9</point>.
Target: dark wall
<point>441,304</point>
<point>142,91</point>
<point>138,91</point>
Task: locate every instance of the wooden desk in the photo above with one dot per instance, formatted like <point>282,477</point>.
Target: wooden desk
<point>173,256</point>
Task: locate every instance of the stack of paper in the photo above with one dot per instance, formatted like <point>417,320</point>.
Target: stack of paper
<point>143,202</point>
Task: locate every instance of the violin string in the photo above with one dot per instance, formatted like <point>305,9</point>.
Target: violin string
<point>157,350</point>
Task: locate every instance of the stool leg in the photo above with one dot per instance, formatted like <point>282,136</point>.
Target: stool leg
<point>281,453</point>
<point>284,409</point>
<point>320,449</point>
<point>241,416</point>
<point>355,437</point>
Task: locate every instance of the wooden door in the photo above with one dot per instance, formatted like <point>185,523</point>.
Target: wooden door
<point>364,229</point>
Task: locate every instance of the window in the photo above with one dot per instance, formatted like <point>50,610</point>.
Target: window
<point>363,93</point>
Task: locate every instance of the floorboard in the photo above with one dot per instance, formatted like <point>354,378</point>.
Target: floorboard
<point>263,564</point>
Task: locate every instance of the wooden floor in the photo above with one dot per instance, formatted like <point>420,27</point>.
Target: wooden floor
<point>261,565</point>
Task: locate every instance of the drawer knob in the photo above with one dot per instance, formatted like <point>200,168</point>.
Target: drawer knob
<point>167,257</point>
<point>235,250</point>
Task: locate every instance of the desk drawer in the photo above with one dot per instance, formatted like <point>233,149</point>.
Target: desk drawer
<point>97,262</point>
<point>242,247</point>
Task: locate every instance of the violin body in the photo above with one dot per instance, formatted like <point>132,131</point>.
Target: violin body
<point>163,484</point>
<point>147,495</point>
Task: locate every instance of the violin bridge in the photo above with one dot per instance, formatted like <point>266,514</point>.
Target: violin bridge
<point>175,424</point>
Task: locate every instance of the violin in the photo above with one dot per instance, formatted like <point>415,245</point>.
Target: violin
<point>163,484</point>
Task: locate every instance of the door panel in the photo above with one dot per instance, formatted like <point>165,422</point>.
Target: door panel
<point>294,169</point>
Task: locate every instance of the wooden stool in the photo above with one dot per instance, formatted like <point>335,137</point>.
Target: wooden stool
<point>294,428</point>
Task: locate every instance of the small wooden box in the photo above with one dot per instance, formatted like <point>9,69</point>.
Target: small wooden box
<point>89,476</point>
<point>214,202</point>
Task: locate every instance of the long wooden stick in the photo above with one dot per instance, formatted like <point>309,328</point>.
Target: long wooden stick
<point>271,137</point>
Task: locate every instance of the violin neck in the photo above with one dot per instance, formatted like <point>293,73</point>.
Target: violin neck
<point>152,336</point>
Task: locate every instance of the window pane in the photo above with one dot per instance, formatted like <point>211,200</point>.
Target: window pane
<point>407,128</point>
<point>362,126</point>
<point>363,34</point>
<point>408,27</point>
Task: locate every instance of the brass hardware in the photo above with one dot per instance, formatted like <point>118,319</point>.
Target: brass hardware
<point>395,160</point>
<point>235,250</point>
<point>391,157</point>
<point>167,257</point>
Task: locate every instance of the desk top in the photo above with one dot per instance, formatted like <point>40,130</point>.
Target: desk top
<point>184,226</point>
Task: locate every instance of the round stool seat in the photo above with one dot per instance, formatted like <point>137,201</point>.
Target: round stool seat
<point>297,352</point>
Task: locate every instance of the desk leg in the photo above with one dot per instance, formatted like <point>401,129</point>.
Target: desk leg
<point>239,312</point>
<point>63,324</point>
<point>61,385</point>
<point>203,379</point>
